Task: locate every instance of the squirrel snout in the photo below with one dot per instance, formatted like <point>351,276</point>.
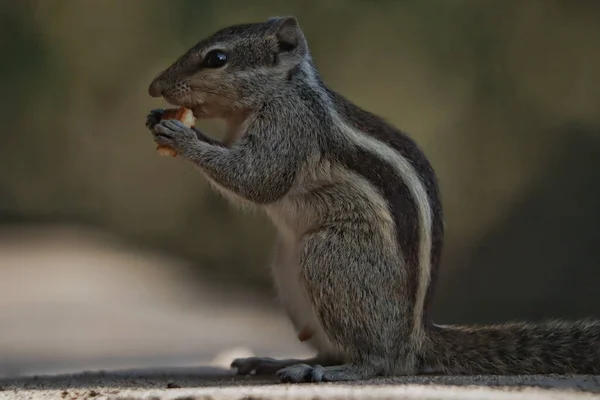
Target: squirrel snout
<point>156,88</point>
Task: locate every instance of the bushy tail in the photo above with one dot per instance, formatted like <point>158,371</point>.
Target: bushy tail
<point>556,347</point>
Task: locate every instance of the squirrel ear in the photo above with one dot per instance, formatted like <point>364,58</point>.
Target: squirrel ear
<point>288,33</point>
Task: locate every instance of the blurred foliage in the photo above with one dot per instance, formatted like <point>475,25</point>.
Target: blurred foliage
<point>484,86</point>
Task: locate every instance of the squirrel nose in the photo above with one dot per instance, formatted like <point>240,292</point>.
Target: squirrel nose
<point>156,88</point>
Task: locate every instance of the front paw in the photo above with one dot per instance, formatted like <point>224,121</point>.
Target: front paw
<point>256,365</point>
<point>154,117</point>
<point>174,134</point>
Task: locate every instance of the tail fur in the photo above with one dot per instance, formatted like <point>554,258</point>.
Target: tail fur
<point>555,347</point>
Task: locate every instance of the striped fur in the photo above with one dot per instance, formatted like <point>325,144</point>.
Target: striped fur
<point>406,175</point>
<point>359,216</point>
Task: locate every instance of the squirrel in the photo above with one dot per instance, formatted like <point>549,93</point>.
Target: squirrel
<point>358,213</point>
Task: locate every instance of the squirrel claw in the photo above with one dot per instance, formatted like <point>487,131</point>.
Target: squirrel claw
<point>258,365</point>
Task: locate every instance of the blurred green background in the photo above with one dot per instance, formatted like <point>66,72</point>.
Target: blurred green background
<point>503,96</point>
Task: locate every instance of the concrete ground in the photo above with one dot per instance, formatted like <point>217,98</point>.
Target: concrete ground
<point>73,301</point>
<point>214,383</point>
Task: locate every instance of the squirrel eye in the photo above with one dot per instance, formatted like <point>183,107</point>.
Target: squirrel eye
<point>214,59</point>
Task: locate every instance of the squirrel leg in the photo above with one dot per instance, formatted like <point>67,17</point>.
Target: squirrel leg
<point>353,281</point>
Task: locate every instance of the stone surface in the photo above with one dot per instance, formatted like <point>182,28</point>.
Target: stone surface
<point>216,383</point>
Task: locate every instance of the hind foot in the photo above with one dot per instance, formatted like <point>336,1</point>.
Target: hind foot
<point>269,366</point>
<point>301,373</point>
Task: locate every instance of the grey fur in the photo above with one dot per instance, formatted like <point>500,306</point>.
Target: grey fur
<point>359,216</point>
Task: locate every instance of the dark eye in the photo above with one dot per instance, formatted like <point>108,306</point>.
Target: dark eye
<point>214,59</point>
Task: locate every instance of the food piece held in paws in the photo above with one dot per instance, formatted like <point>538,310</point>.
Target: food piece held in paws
<point>186,116</point>
<point>166,151</point>
<point>183,114</point>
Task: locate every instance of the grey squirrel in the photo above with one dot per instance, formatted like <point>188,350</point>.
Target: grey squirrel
<point>358,212</point>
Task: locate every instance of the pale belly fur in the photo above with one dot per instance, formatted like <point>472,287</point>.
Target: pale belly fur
<point>286,274</point>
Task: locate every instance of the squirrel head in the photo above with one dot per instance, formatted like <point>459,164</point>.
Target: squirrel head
<point>234,69</point>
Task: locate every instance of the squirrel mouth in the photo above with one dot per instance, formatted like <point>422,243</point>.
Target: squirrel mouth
<point>197,109</point>
<point>178,101</point>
